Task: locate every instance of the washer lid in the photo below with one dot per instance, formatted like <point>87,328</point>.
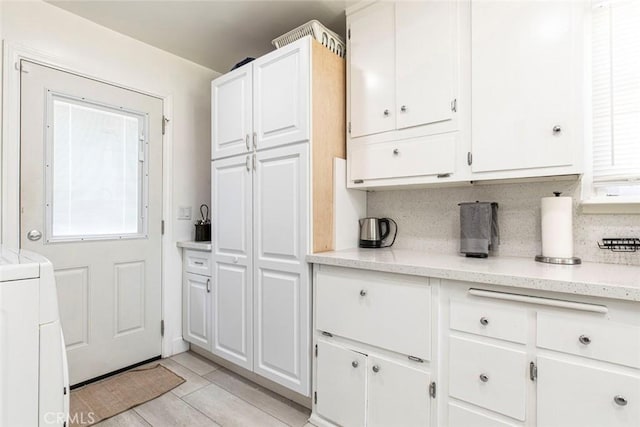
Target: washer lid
<point>16,264</point>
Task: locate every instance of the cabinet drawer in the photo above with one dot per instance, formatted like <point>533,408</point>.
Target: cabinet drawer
<point>489,376</point>
<point>575,394</point>
<point>590,337</point>
<point>463,417</point>
<point>491,320</point>
<point>430,155</point>
<point>385,310</point>
<point>197,262</point>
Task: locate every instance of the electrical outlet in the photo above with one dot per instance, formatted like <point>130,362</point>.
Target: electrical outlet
<point>184,212</point>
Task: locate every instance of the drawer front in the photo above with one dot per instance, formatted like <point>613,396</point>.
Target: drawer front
<point>430,155</point>
<point>197,262</point>
<point>590,337</point>
<point>576,394</point>
<point>385,310</point>
<point>490,320</point>
<point>463,417</point>
<point>489,376</point>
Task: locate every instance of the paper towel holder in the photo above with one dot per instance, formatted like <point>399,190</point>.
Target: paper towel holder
<point>561,261</point>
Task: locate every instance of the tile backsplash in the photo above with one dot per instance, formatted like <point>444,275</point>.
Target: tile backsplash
<point>428,219</point>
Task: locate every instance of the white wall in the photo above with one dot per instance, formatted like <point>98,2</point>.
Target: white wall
<point>429,219</point>
<point>85,47</point>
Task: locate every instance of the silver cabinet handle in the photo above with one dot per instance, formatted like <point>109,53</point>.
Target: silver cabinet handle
<point>255,140</point>
<point>620,400</point>
<point>208,285</point>
<point>376,368</point>
<point>484,321</point>
<point>584,340</point>
<point>354,363</point>
<point>396,151</point>
<point>363,293</point>
<point>386,113</point>
<point>557,129</point>
<point>484,378</point>
<point>34,235</point>
<point>246,141</point>
<point>403,108</point>
<point>198,262</point>
<point>248,163</point>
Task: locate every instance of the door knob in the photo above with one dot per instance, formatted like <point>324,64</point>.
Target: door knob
<point>34,235</point>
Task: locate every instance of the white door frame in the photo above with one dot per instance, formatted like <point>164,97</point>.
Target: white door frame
<point>13,53</point>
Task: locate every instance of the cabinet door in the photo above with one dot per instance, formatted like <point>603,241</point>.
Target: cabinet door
<point>371,53</point>
<point>397,395</point>
<point>232,267</point>
<point>282,297</point>
<point>281,83</point>
<point>426,52</point>
<point>526,78</point>
<point>341,385</point>
<point>583,395</point>
<point>196,309</point>
<point>231,123</point>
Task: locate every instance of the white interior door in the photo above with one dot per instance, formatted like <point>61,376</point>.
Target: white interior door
<point>281,90</point>
<point>282,294</point>
<point>232,267</point>
<point>91,202</point>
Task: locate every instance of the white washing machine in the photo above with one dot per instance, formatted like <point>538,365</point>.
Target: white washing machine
<point>34,380</point>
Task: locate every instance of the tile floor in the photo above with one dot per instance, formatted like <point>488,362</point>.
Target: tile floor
<point>212,396</point>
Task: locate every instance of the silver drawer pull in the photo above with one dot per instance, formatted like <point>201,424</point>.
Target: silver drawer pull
<point>484,321</point>
<point>363,293</point>
<point>375,368</point>
<point>484,378</point>
<point>198,262</point>
<point>584,340</point>
<point>620,400</point>
<point>208,285</point>
<point>354,363</point>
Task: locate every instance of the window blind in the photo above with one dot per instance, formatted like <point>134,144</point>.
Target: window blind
<point>616,91</point>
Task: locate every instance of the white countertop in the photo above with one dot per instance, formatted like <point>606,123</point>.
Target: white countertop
<point>198,246</point>
<point>591,279</point>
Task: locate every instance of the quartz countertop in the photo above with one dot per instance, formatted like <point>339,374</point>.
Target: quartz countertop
<point>590,279</point>
<point>198,246</point>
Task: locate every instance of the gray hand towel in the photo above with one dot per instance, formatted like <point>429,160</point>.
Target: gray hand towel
<point>479,232</point>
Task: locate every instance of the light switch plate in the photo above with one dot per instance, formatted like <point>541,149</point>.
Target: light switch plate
<point>184,212</point>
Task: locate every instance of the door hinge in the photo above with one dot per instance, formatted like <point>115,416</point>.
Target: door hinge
<point>162,227</point>
<point>432,389</point>
<point>454,105</point>
<point>315,397</point>
<point>64,391</point>
<point>469,158</point>
<point>162,328</point>
<point>533,371</point>
<point>164,124</point>
<point>349,127</point>
<point>349,33</point>
<point>316,350</point>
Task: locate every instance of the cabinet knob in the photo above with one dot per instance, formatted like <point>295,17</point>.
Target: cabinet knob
<point>376,368</point>
<point>484,321</point>
<point>235,259</point>
<point>363,293</point>
<point>396,151</point>
<point>403,108</point>
<point>620,400</point>
<point>557,129</point>
<point>584,340</point>
<point>354,363</point>
<point>484,378</point>
<point>386,113</point>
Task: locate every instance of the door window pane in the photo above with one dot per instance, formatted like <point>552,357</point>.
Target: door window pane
<point>95,185</point>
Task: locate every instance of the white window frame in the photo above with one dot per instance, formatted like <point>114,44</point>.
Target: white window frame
<point>143,121</point>
<point>591,202</point>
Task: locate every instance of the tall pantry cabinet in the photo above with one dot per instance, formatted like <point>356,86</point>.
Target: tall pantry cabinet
<point>277,124</point>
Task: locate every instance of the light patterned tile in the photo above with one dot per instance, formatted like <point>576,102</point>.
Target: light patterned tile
<point>170,411</point>
<point>126,419</point>
<point>285,410</point>
<point>229,410</point>
<point>192,382</point>
<point>196,363</point>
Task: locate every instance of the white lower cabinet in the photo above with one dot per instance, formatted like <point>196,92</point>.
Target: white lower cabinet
<point>196,297</point>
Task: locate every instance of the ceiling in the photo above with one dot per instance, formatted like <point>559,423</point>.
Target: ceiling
<point>213,33</point>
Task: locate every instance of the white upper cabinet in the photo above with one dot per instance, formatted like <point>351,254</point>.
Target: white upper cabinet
<point>231,115</point>
<point>526,87</point>
<point>281,96</point>
<point>372,70</point>
<point>425,62</point>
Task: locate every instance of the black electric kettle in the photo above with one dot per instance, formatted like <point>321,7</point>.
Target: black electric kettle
<point>373,231</point>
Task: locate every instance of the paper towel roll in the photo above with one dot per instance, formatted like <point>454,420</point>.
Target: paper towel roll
<point>557,227</point>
